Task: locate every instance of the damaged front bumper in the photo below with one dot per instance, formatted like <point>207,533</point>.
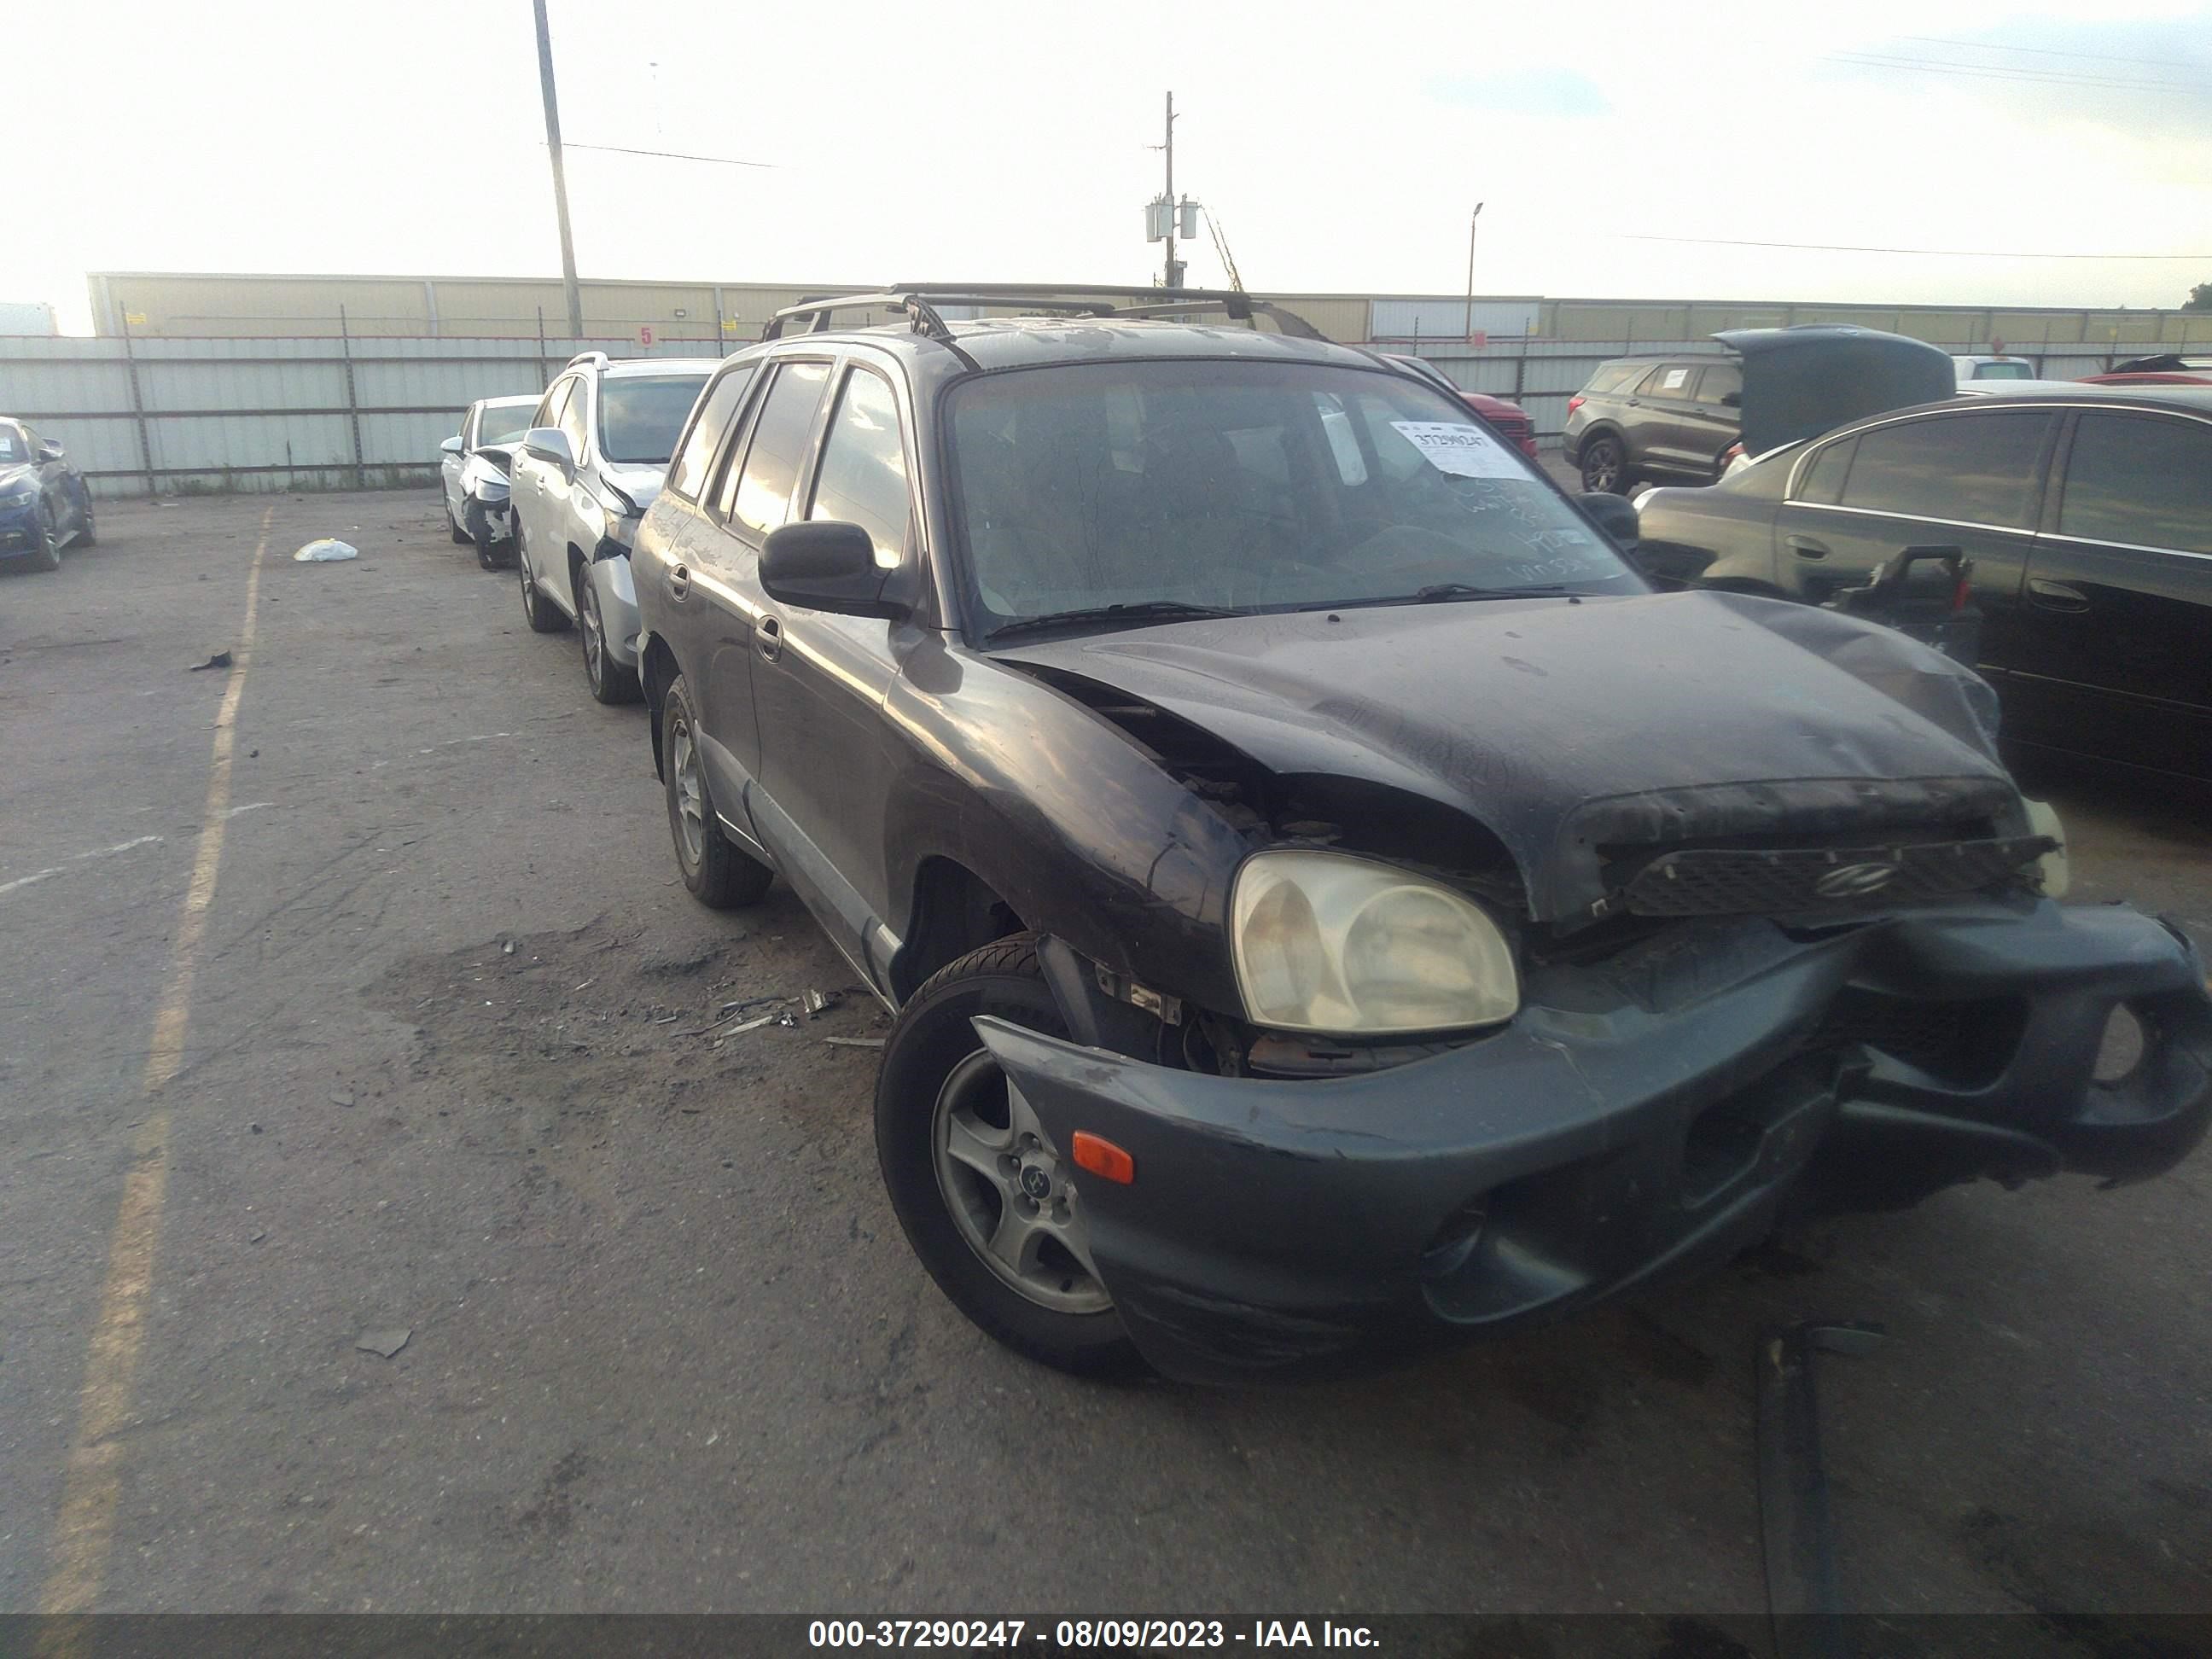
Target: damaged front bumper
<point>488,518</point>
<point>1642,1117</point>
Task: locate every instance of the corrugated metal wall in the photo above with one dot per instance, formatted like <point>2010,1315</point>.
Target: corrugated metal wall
<point>270,414</point>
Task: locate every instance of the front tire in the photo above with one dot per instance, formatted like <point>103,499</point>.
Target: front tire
<point>48,554</point>
<point>1605,467</point>
<point>84,534</point>
<point>987,1201</point>
<point>714,871</point>
<point>609,681</point>
<point>536,610</point>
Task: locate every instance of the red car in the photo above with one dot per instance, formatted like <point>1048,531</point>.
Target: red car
<point>2155,371</point>
<point>1506,418</point>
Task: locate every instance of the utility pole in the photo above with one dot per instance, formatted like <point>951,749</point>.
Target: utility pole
<point>1474,219</point>
<point>560,181</point>
<point>1175,266</point>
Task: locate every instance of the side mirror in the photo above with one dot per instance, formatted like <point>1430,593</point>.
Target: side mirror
<point>453,445</point>
<point>50,449</point>
<point>1616,516</point>
<point>826,565</point>
<point>550,444</point>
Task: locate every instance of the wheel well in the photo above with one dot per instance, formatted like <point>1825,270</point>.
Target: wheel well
<point>656,672</point>
<point>954,911</point>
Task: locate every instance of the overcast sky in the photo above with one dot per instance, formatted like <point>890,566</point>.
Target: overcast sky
<point>1340,147</point>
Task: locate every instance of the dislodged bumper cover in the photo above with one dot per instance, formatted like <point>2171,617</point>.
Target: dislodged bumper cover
<point>1639,1117</point>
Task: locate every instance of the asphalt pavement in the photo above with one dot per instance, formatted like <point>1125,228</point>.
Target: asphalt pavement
<point>441,1073</point>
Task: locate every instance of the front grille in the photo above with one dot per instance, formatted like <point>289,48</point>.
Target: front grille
<point>1717,881</point>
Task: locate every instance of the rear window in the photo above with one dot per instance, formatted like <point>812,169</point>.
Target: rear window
<point>1976,469</point>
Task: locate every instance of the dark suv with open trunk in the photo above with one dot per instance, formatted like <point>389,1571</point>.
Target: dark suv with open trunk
<point>1330,903</point>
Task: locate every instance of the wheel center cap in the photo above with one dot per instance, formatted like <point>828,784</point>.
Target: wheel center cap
<point>1036,1181</point>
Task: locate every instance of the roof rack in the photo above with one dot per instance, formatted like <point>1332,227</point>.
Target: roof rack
<point>919,300</point>
<point>598,358</point>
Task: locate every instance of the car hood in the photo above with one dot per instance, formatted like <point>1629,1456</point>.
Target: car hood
<point>1639,720</point>
<point>16,474</point>
<point>639,483</point>
<point>1800,382</point>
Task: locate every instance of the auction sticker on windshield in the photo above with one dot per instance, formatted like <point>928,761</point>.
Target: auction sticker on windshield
<point>1465,452</point>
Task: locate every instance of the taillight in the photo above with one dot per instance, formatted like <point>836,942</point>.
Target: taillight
<point>1575,403</point>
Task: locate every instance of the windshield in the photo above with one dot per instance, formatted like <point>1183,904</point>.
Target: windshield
<point>639,417</point>
<point>504,424</point>
<point>2003,372</point>
<point>1247,487</point>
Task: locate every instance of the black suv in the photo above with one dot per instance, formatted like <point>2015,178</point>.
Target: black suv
<point>1329,902</point>
<point>1642,418</point>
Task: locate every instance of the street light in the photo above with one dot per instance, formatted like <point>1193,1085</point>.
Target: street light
<point>1473,219</point>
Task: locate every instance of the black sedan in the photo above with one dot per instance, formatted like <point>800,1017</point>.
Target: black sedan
<point>2087,512</point>
<point>45,505</point>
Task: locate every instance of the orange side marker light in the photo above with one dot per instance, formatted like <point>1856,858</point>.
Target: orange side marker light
<point>1104,1158</point>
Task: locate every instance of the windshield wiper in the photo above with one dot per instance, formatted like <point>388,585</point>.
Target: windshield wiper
<point>1143,611</point>
<point>1437,592</point>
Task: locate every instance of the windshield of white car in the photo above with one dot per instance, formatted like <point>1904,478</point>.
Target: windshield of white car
<point>504,423</point>
<point>639,417</point>
<point>1246,486</point>
<point>2004,372</point>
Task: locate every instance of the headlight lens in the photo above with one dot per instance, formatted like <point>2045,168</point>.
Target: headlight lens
<point>1345,945</point>
<point>480,477</point>
<point>18,495</point>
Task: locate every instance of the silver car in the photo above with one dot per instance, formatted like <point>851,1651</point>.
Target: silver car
<point>589,466</point>
<point>474,473</point>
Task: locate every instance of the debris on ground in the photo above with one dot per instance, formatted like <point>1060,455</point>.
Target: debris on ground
<point>507,949</point>
<point>854,1043</point>
<point>257,1236</point>
<point>221,659</point>
<point>384,1344</point>
<point>325,550</point>
<point>820,1002</point>
<point>341,1096</point>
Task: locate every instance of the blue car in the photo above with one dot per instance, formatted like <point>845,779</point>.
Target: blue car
<point>44,503</point>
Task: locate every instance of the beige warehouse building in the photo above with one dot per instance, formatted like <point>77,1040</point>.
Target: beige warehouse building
<point>178,304</point>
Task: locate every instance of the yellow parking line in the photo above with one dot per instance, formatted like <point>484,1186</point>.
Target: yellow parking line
<point>86,1526</point>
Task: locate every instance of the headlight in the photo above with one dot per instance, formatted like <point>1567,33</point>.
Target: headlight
<point>21,494</point>
<point>2051,868</point>
<point>621,530</point>
<point>1346,945</point>
<point>480,477</point>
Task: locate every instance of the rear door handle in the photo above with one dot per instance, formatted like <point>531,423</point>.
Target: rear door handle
<point>769,634</point>
<point>679,583</point>
<point>1806,548</point>
<point>2056,596</point>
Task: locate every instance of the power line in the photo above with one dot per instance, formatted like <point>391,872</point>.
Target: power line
<point>672,155</point>
<point>1996,72</point>
<point>1937,252</point>
<point>2039,51</point>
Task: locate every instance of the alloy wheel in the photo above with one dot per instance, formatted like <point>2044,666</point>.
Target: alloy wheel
<point>594,632</point>
<point>1011,1195</point>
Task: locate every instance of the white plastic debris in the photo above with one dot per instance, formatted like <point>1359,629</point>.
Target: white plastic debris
<point>324,550</point>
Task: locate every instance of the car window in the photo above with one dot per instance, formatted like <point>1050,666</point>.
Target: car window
<point>572,419</point>
<point>2139,479</point>
<point>556,399</point>
<point>1717,381</point>
<point>641,415</point>
<point>687,474</point>
<point>757,495</point>
<point>862,478</point>
<point>1247,487</point>
<point>2004,372</point>
<point>1978,468</point>
<point>12,448</point>
<point>1669,380</point>
<point>1822,481</point>
<point>1611,377</point>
